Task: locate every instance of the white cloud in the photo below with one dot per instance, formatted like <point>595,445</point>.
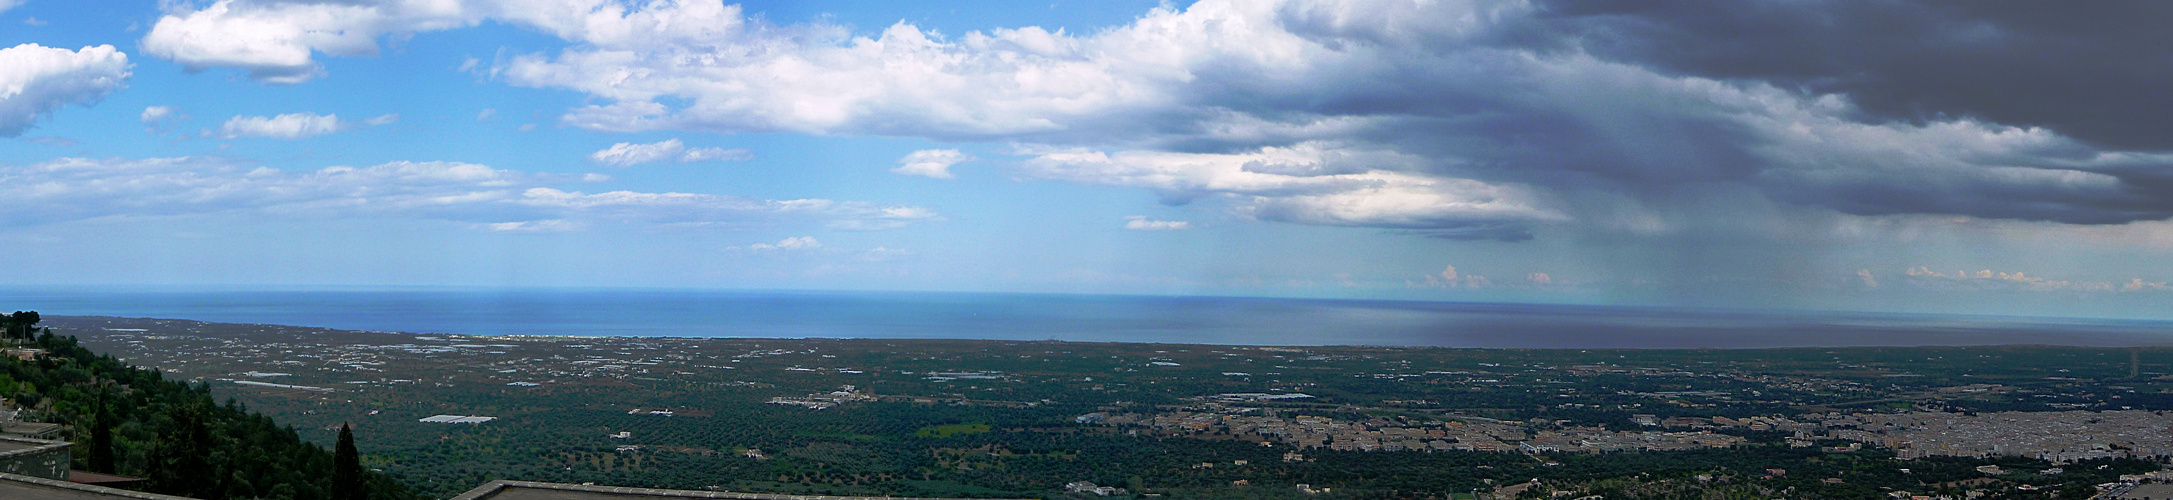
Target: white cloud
<point>931,163</point>
<point>1868,280</point>
<point>160,119</point>
<point>287,126</point>
<point>384,119</point>
<point>9,4</point>
<point>1986,279</point>
<point>1142,223</point>
<point>1450,278</point>
<point>744,73</point>
<point>534,226</point>
<point>74,189</point>
<point>716,154</point>
<point>1540,279</point>
<point>486,114</point>
<point>276,41</point>
<point>792,243</point>
<point>152,115</point>
<point>627,154</point>
<point>36,80</point>
<point>2137,285</point>
<point>881,218</point>
<point>880,254</point>
<point>692,209</point>
<point>1309,184</point>
<point>797,247</point>
<point>273,42</point>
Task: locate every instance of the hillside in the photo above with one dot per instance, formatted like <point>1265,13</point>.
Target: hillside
<point>134,422</point>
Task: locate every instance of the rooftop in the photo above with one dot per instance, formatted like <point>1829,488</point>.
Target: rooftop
<point>9,445</point>
<point>28,428</point>
<point>17,486</point>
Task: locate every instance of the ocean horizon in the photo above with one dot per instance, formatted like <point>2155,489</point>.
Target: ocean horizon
<point>1077,318</point>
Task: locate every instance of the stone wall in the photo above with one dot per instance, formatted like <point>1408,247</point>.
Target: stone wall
<point>35,457</point>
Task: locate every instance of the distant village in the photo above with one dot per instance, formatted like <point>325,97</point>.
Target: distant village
<point>2054,436</point>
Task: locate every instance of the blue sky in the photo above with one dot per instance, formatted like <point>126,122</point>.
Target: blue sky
<point>1983,159</point>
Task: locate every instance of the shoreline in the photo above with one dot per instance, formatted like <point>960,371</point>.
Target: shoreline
<point>68,319</point>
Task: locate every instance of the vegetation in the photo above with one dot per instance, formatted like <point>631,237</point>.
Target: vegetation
<point>22,325</point>
<point>347,473</point>
<point>944,431</point>
<point>171,433</point>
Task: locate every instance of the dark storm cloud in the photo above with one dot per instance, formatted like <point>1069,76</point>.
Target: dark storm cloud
<point>1992,110</point>
<point>2096,71</point>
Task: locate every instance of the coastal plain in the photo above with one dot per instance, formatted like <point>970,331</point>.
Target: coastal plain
<point>1045,418</point>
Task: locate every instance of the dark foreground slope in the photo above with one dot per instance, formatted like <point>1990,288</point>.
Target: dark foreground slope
<point>133,422</point>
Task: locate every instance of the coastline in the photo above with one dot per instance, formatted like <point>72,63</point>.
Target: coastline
<point>1191,322</point>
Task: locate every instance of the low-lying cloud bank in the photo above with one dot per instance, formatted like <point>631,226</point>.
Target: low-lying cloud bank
<point>77,189</point>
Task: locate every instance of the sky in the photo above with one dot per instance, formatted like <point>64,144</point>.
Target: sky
<point>1977,158</point>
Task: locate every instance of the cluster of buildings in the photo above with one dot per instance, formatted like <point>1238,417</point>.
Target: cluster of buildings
<point>456,419</point>
<point>1089,488</point>
<point>824,401</point>
<point>1757,423</point>
<point>1474,434</point>
<point>1600,440</point>
<point>2056,436</point>
<point>234,358</point>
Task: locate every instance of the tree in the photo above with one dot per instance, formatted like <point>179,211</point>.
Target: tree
<point>102,433</point>
<point>347,468</point>
<point>171,433</point>
<point>181,464</point>
<point>22,324</point>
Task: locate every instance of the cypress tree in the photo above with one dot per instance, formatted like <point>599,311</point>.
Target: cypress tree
<point>347,468</point>
<point>102,433</point>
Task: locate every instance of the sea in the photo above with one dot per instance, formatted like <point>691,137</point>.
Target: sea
<point>1073,318</point>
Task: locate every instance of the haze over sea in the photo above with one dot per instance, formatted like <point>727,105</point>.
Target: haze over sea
<point>1079,318</point>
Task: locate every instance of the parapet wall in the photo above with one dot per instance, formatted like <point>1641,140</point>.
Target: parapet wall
<point>35,457</point>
